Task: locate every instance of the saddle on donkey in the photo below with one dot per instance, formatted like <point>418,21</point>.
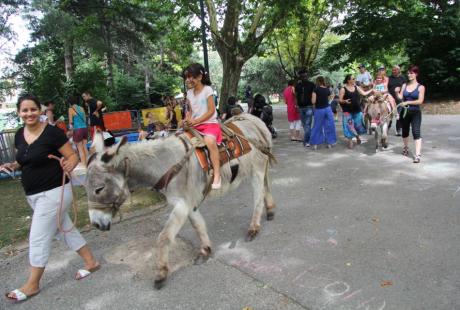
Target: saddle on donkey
<point>233,145</point>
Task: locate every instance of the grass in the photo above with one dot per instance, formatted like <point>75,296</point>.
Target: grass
<point>16,214</point>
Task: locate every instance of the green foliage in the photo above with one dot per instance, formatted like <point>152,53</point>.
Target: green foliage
<point>426,32</point>
<point>40,70</point>
<point>125,52</point>
<point>264,75</point>
<point>299,40</point>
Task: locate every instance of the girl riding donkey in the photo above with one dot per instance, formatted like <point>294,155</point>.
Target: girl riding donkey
<point>202,114</point>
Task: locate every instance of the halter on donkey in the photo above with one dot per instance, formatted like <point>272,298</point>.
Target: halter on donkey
<point>170,165</point>
<point>379,112</point>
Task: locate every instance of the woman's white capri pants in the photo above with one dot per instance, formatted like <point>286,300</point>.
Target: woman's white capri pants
<point>44,224</point>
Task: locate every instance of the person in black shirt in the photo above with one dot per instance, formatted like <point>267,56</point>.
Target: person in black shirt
<point>352,117</point>
<point>95,107</point>
<point>324,125</point>
<point>42,183</point>
<point>396,80</point>
<point>249,98</point>
<point>304,92</point>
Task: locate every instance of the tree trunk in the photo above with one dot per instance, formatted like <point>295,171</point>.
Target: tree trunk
<point>147,84</point>
<point>68,59</point>
<point>110,60</point>
<point>232,66</point>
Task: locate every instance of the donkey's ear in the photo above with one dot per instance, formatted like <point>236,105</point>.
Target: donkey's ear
<point>98,143</point>
<point>107,156</point>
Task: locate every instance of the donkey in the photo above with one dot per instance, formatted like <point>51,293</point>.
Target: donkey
<point>171,166</point>
<point>379,113</point>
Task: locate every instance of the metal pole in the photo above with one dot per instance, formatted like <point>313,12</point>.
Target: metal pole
<point>203,37</point>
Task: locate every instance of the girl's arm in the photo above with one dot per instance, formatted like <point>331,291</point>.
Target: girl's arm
<point>71,114</point>
<point>70,160</point>
<point>362,92</point>
<point>313,98</point>
<point>50,116</point>
<point>421,97</point>
<point>207,115</point>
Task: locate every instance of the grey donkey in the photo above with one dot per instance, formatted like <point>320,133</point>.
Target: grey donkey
<point>171,166</point>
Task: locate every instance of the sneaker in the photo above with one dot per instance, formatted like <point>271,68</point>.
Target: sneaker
<point>417,159</point>
<point>307,145</point>
<point>329,146</point>
<point>398,133</point>
<point>315,147</point>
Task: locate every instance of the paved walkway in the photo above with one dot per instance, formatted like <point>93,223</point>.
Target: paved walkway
<point>353,230</point>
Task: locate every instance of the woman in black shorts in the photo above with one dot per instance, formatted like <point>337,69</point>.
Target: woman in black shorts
<point>412,95</point>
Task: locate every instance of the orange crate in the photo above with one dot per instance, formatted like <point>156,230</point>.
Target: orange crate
<point>118,120</point>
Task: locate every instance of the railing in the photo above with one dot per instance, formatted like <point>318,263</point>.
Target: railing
<point>7,150</point>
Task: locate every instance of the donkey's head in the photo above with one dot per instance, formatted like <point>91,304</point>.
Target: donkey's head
<point>106,182</point>
<point>377,110</point>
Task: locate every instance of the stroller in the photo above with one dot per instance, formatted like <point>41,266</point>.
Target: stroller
<point>264,111</point>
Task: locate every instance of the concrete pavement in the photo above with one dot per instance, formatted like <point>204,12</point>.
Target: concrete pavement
<point>354,229</point>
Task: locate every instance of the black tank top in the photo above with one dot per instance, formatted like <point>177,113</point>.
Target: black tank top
<point>354,97</point>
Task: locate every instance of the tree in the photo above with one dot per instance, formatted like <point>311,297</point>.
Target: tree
<point>59,25</point>
<point>427,31</point>
<point>237,29</point>
<point>297,43</point>
<point>8,9</point>
<point>264,74</point>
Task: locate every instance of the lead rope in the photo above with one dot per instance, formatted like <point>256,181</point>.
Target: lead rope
<point>74,203</point>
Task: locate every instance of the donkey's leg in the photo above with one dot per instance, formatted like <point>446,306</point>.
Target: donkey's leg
<point>168,234</point>
<point>259,193</point>
<point>385,135</point>
<point>376,137</point>
<point>268,198</point>
<point>199,225</point>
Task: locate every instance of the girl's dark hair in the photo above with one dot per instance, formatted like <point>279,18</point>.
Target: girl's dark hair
<point>73,100</point>
<point>347,78</point>
<point>28,97</point>
<point>320,81</point>
<point>413,68</point>
<point>291,82</point>
<point>194,70</point>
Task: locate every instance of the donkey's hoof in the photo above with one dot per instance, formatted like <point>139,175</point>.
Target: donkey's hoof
<point>251,235</point>
<point>270,216</point>
<point>159,283</point>
<point>203,256</point>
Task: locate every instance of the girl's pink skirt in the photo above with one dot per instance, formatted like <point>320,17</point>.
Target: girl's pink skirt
<point>210,129</point>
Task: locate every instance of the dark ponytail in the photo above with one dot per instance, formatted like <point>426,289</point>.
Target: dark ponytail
<point>195,70</point>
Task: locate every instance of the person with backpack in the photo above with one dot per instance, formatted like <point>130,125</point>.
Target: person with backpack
<point>304,92</point>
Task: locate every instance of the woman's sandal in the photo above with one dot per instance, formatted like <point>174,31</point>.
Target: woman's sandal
<point>19,296</point>
<point>417,159</point>
<point>405,151</point>
<point>83,273</point>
